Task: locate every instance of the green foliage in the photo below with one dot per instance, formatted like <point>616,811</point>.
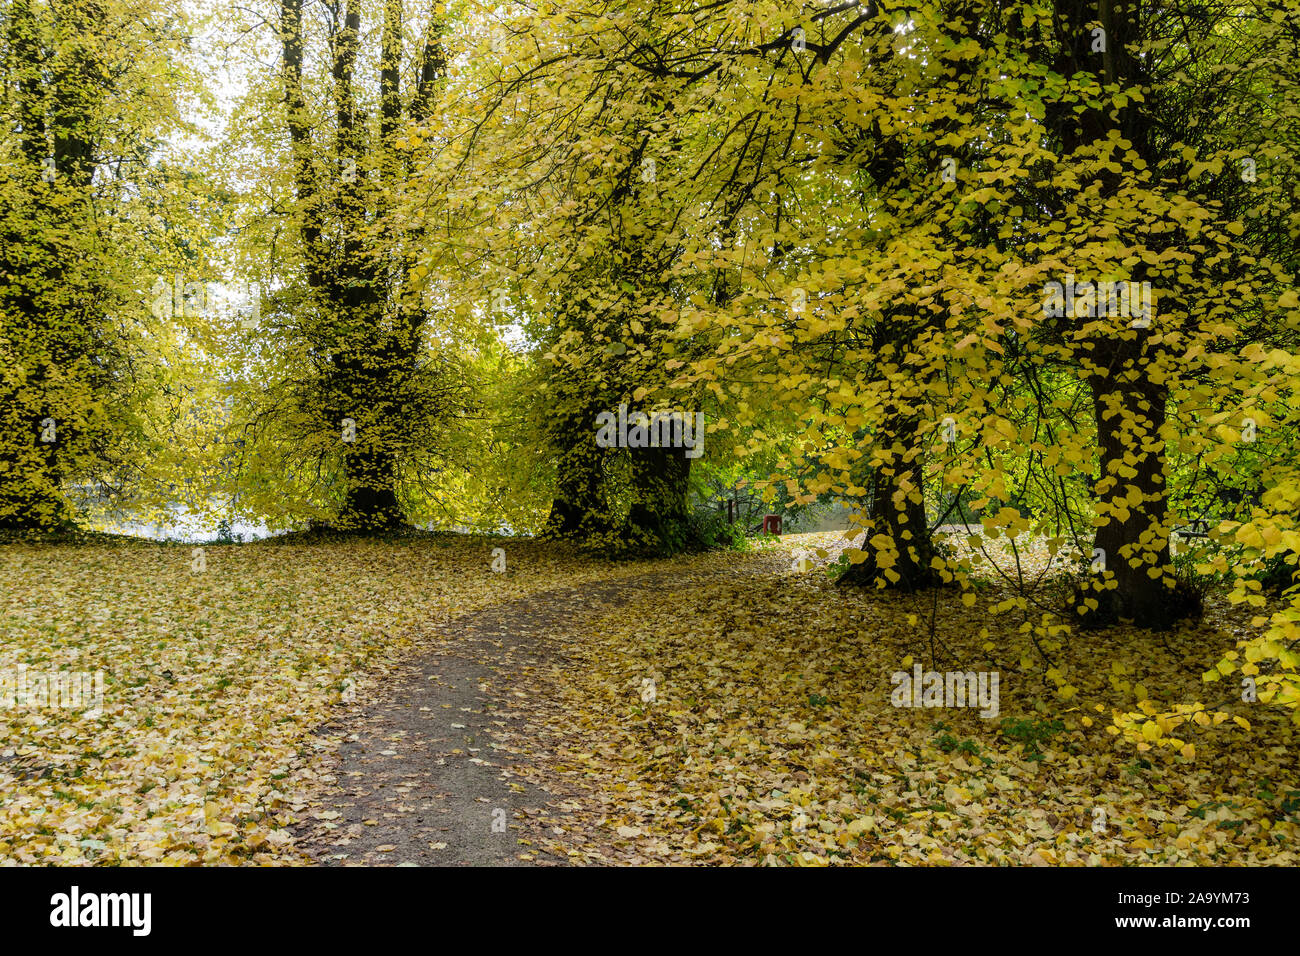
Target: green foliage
<point>1031,734</point>
<point>84,208</point>
<point>1277,574</point>
<point>711,529</point>
<point>950,744</point>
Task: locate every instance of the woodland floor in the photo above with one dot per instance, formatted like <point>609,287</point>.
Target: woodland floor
<point>397,702</point>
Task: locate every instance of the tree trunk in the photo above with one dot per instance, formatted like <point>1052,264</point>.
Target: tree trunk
<point>579,509</point>
<point>31,494</point>
<point>374,315</point>
<point>897,513</point>
<point>371,499</point>
<point>658,521</point>
<point>48,316</point>
<point>1133,545</point>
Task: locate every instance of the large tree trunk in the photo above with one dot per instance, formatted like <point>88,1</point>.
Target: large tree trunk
<point>580,508</point>
<point>373,316</point>
<point>1128,407</point>
<point>579,500</point>
<point>371,499</point>
<point>658,521</point>
<point>31,493</point>
<point>48,317</point>
<point>1133,544</point>
<point>897,513</point>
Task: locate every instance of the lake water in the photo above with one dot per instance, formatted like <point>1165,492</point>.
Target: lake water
<point>183,525</point>
<point>179,524</point>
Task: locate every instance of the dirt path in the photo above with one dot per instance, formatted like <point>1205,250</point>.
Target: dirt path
<point>419,781</point>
